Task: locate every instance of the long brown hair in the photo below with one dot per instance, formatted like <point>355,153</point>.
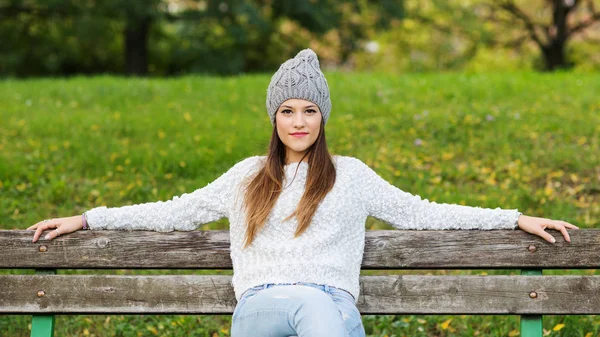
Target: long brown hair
<point>264,189</point>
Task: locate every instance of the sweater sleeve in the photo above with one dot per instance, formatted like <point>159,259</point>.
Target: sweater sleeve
<point>183,213</point>
<point>403,210</point>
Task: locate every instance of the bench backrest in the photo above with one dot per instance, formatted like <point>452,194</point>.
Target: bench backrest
<point>528,293</point>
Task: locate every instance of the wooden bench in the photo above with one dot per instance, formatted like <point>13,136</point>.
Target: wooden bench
<point>529,294</point>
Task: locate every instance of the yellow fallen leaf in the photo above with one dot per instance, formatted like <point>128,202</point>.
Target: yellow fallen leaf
<point>556,174</point>
<point>557,327</point>
<point>152,329</point>
<point>447,155</point>
<point>446,324</point>
<point>589,334</point>
<point>435,180</point>
<point>514,333</point>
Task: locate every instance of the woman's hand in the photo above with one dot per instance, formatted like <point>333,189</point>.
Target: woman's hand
<point>61,226</point>
<point>536,226</point>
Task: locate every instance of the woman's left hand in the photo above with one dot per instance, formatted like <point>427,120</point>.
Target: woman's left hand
<point>536,226</point>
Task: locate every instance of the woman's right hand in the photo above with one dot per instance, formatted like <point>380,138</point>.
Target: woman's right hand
<point>61,226</point>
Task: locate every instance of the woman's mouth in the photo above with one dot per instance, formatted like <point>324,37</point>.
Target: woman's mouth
<point>299,134</point>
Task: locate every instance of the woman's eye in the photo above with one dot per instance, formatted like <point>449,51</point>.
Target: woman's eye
<point>288,110</point>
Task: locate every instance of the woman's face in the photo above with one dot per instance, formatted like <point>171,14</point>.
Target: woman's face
<point>298,123</point>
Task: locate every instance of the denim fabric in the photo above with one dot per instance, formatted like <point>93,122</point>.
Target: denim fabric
<point>300,309</point>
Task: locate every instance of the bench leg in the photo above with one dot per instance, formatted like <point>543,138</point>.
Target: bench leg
<point>531,325</point>
<point>43,325</point>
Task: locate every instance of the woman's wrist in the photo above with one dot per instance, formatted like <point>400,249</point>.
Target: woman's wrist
<point>519,215</point>
<point>84,224</point>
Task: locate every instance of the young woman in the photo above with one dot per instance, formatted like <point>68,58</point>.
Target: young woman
<point>297,217</point>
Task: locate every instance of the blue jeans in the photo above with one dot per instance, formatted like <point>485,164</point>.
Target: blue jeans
<point>300,309</point>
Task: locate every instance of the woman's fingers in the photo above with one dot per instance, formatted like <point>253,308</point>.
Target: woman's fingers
<point>38,224</point>
<point>53,234</point>
<point>563,230</point>
<point>562,226</point>
<point>42,227</point>
<point>546,236</point>
<point>568,225</point>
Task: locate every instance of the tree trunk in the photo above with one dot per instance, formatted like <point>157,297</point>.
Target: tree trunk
<point>554,56</point>
<point>136,46</point>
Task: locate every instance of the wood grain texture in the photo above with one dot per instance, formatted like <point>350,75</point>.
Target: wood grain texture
<point>384,249</point>
<point>201,294</point>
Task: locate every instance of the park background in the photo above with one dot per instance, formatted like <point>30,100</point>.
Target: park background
<point>480,103</point>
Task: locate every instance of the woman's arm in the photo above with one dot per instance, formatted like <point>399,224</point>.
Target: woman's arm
<point>403,210</point>
<point>184,213</point>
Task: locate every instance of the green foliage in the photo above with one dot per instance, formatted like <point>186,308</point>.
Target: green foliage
<point>473,35</point>
<point>74,37</point>
<point>514,140</point>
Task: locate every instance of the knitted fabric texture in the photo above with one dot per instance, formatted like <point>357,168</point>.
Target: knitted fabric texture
<point>299,77</point>
<point>330,251</point>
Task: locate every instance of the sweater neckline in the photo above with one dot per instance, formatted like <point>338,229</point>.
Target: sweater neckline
<point>297,177</point>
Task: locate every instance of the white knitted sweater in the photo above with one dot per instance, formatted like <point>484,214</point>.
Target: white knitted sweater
<point>330,251</point>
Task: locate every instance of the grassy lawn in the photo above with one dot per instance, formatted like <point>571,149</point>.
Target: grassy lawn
<point>515,140</point>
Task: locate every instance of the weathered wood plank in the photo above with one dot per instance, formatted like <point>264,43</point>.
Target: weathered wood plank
<point>201,294</point>
<point>384,249</point>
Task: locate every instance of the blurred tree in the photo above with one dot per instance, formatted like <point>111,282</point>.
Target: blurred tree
<point>175,36</point>
<point>54,37</point>
<point>256,25</point>
<point>456,32</point>
<point>59,15</point>
<point>551,36</point>
<point>138,17</point>
<point>450,34</point>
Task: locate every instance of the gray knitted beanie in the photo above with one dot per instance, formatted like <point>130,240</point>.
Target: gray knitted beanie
<point>299,77</point>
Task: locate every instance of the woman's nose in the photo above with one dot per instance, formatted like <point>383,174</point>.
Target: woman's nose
<point>298,120</point>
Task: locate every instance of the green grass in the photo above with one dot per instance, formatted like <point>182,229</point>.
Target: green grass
<point>516,140</point>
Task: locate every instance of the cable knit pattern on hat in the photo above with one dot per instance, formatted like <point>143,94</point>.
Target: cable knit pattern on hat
<point>299,77</point>
<point>330,251</point>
